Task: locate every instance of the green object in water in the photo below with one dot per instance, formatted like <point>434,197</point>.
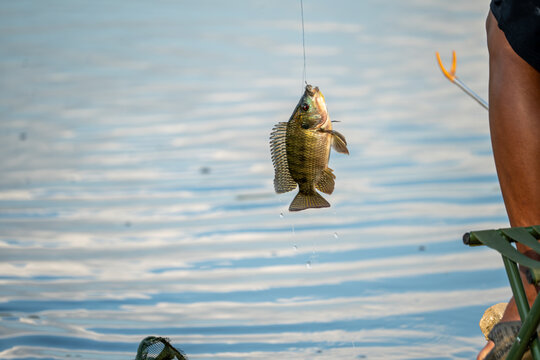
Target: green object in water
<point>158,348</point>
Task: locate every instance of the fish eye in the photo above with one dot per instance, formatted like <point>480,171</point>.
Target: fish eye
<point>305,126</point>
<point>305,107</point>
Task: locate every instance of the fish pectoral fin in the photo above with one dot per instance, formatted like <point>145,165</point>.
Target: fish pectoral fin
<point>326,182</point>
<point>339,143</point>
<point>283,182</point>
<point>304,201</point>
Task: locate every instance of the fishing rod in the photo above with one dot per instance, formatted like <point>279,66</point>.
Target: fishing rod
<point>451,75</point>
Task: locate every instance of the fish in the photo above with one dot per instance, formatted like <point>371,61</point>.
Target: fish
<point>300,151</point>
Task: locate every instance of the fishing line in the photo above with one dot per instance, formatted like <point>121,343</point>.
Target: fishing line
<point>303,44</point>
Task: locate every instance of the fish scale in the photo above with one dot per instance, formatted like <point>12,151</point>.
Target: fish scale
<point>308,157</point>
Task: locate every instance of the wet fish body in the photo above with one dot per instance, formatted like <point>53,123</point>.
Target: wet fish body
<point>300,150</point>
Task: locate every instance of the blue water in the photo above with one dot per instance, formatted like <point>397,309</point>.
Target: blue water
<point>136,192</point>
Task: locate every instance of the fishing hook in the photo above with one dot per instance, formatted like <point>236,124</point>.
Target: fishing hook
<point>454,79</point>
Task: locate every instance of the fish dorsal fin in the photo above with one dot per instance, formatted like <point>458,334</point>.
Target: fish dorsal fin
<point>283,181</point>
<point>339,143</point>
<point>326,182</point>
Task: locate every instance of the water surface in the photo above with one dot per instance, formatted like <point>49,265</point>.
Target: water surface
<point>136,194</point>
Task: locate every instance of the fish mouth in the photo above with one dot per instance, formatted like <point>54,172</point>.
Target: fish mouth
<point>311,91</point>
<point>321,118</point>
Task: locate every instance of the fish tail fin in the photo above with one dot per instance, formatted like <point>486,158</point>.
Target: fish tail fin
<point>304,201</point>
